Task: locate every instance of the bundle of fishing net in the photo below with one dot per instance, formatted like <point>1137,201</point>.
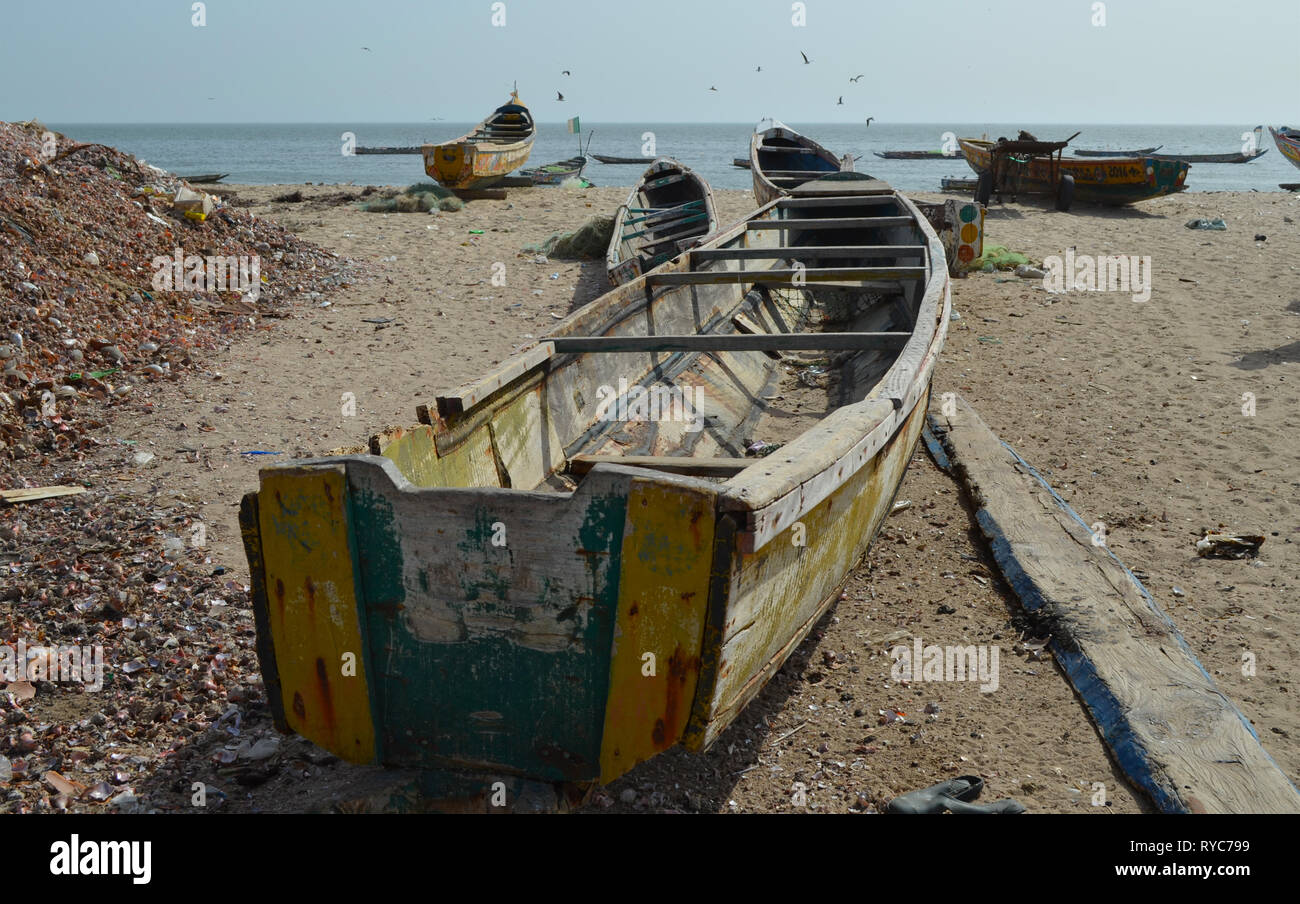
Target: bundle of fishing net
<point>587,242</point>
<point>997,257</point>
<point>418,198</point>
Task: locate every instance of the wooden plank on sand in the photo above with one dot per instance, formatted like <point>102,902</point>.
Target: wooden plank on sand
<point>1171,730</point>
<point>35,494</point>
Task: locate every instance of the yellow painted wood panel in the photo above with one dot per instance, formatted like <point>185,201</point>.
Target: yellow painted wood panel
<point>313,613</point>
<point>663,595</point>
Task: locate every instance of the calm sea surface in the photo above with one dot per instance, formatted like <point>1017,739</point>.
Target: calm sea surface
<point>296,153</point>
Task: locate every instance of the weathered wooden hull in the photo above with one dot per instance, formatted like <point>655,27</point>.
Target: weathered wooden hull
<point>475,160</point>
<point>668,208</point>
<point>1234,157</point>
<point>624,161</point>
<point>454,601</point>
<point>1140,152</point>
<point>917,155</point>
<point>1288,142</point>
<point>805,160</point>
<point>1107,181</point>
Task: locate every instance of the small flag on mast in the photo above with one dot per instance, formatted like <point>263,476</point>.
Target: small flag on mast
<point>574,126</point>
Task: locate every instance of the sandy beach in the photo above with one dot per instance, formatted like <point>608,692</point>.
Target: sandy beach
<point>1135,410</point>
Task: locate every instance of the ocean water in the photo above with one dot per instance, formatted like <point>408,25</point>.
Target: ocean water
<point>312,152</point>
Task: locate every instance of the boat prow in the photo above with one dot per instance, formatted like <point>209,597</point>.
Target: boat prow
<point>782,159</point>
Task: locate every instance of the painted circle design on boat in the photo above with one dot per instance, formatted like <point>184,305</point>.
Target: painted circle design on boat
<point>967,215</point>
<point>969,233</point>
<point>965,253</point>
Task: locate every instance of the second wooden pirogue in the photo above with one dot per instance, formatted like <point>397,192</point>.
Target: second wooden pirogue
<point>498,145</point>
<point>668,210</point>
<point>781,159</point>
<point>574,565</point>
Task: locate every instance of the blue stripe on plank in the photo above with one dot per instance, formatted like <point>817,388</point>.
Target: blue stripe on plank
<point>1096,694</point>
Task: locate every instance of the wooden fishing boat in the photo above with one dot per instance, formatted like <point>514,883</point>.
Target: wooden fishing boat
<point>1288,142</point>
<point>629,161</point>
<point>205,178</point>
<point>1039,167</point>
<point>1237,157</point>
<point>669,210</point>
<point>957,183</point>
<point>571,565</point>
<point>781,159</point>
<point>917,155</point>
<point>498,145</point>
<point>742,162</point>
<point>1140,152</point>
<point>555,173</point>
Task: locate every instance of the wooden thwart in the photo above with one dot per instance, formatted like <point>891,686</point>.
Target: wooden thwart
<point>672,464</point>
<point>806,252</point>
<point>793,275</point>
<point>1171,729</point>
<point>831,223</point>
<point>730,342</point>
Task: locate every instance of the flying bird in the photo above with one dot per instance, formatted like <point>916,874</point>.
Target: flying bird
<point>367,49</point>
<point>566,72</point>
<point>841,102</point>
<point>806,61</point>
<point>759,69</point>
<point>559,96</point>
<point>713,89</point>
<point>869,118</point>
<point>856,77</point>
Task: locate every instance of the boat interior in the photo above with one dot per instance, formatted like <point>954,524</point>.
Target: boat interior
<point>787,163</point>
<point>506,125</point>
<point>736,347</point>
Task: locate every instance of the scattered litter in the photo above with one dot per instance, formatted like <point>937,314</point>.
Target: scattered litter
<point>1228,546</point>
<point>1024,271</point>
<point>1203,223</point>
<point>901,506</point>
<point>140,459</point>
<point>260,452</point>
<point>760,449</point>
<point>1261,238</point>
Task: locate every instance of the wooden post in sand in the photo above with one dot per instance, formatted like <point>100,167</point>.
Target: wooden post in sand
<point>1171,730</point>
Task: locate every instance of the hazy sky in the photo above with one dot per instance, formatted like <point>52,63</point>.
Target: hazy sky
<point>1153,61</point>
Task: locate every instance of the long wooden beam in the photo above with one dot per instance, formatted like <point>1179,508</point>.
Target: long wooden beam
<point>730,342</point>
<point>672,464</point>
<point>831,223</point>
<point>1170,728</point>
<point>805,252</point>
<point>794,275</point>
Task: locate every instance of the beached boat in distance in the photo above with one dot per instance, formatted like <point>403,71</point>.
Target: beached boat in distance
<point>555,173</point>
<point>1140,152</point>
<point>669,210</point>
<point>573,565</point>
<point>628,161</point>
<point>917,155</point>
<point>1288,142</point>
<point>742,162</point>
<point>497,146</point>
<point>781,159</point>
<point>1039,167</point>
<point>1234,157</point>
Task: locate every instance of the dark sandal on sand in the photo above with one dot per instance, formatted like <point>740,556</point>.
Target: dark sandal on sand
<point>952,796</point>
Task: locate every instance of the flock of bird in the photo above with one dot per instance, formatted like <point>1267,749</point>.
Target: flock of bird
<point>559,96</point>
